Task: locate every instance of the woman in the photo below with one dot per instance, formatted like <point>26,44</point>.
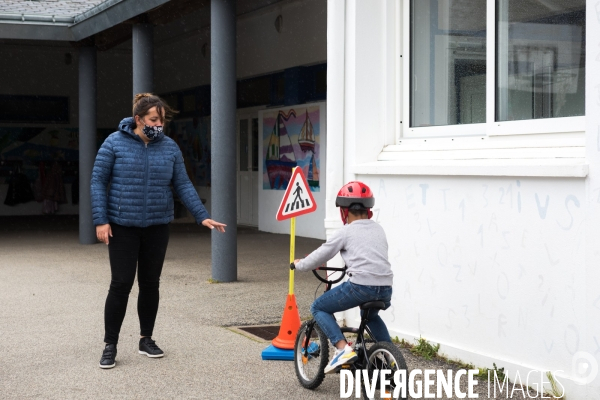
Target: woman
<point>140,163</point>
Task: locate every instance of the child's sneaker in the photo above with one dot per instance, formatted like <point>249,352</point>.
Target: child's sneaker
<point>341,357</point>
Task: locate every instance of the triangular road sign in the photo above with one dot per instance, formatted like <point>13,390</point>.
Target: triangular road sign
<point>298,198</point>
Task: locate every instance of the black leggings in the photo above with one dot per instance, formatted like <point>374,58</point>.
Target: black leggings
<point>128,248</point>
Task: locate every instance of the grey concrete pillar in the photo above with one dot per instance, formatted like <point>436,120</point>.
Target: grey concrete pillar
<point>223,148</point>
<point>143,58</point>
<point>87,141</point>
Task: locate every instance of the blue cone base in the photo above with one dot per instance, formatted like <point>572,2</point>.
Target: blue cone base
<point>273,353</point>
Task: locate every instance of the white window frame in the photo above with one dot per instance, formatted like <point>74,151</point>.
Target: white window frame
<point>552,147</point>
<point>491,127</point>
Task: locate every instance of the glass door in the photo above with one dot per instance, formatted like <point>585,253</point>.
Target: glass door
<point>247,185</point>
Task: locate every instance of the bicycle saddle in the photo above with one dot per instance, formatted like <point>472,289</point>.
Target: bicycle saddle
<point>378,305</point>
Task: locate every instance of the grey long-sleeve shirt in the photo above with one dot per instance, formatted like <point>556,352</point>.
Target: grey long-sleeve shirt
<point>363,246</point>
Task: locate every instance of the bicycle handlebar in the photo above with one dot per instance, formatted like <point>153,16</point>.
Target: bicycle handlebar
<point>327,281</point>
<point>332,269</point>
<point>325,268</point>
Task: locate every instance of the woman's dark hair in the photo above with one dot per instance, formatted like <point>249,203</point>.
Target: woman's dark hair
<point>143,102</point>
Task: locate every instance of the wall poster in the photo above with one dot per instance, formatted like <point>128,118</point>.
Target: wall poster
<point>291,139</point>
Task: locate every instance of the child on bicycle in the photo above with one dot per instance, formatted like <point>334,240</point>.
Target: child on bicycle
<point>363,245</point>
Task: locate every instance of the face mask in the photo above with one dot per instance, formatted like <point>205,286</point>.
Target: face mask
<point>152,132</point>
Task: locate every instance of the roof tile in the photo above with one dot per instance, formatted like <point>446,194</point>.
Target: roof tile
<point>65,8</point>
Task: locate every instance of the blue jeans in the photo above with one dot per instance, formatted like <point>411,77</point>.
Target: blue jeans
<point>344,297</point>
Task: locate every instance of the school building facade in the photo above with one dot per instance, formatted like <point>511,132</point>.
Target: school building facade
<point>476,124</point>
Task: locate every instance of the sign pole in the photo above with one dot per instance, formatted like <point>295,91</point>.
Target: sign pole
<point>292,251</point>
<point>297,200</point>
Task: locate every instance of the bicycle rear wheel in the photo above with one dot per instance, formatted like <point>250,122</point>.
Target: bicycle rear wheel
<point>310,368</point>
<point>385,356</point>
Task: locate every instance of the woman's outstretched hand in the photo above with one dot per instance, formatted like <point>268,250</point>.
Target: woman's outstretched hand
<point>209,223</point>
<point>103,232</point>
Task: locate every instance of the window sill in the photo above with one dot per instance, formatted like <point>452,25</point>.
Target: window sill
<point>557,168</point>
<point>560,156</point>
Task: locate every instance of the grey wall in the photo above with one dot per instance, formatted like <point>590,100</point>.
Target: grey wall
<point>260,48</point>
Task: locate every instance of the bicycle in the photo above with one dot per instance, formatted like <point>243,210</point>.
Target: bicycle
<point>310,360</point>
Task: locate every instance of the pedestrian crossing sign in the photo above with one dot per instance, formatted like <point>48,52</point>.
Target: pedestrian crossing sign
<point>298,198</point>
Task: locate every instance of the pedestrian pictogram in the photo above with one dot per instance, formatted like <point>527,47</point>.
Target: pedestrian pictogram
<point>298,199</point>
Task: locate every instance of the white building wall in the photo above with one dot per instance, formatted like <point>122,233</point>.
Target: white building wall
<point>496,269</point>
<point>491,268</point>
<point>590,331</point>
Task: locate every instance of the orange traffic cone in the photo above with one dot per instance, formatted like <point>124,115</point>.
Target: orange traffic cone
<point>290,323</point>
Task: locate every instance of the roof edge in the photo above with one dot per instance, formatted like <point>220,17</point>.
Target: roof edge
<point>57,20</point>
<point>97,9</point>
<point>53,27</point>
<point>109,14</point>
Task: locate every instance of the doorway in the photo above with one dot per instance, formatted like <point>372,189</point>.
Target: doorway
<point>247,178</point>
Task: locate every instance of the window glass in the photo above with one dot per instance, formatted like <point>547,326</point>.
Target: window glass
<point>189,103</point>
<point>540,59</point>
<point>254,144</point>
<point>253,92</point>
<point>34,109</point>
<point>243,145</point>
<point>448,56</point>
<point>321,81</point>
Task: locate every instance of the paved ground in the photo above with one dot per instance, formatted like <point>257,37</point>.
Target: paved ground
<point>52,293</point>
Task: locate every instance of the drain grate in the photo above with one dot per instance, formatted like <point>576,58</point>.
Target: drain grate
<point>267,332</point>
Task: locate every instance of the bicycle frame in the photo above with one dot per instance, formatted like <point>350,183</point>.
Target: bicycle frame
<point>362,356</point>
<point>383,354</point>
<point>360,339</point>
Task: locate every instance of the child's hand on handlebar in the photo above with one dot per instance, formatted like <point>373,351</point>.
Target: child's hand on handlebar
<point>293,264</point>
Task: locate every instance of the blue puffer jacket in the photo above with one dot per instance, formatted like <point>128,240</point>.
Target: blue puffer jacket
<point>140,176</point>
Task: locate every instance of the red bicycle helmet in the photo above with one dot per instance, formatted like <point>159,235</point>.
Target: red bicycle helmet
<point>354,195</point>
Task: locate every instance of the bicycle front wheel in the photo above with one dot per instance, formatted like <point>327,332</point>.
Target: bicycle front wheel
<point>310,365</point>
<point>385,356</point>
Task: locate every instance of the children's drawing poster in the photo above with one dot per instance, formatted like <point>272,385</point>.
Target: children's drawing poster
<point>291,138</point>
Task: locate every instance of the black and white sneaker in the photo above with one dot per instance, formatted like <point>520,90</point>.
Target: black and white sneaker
<point>108,356</point>
<point>149,348</point>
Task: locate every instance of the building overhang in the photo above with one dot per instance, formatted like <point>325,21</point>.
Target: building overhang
<point>33,31</point>
<point>102,17</point>
<point>111,15</point>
